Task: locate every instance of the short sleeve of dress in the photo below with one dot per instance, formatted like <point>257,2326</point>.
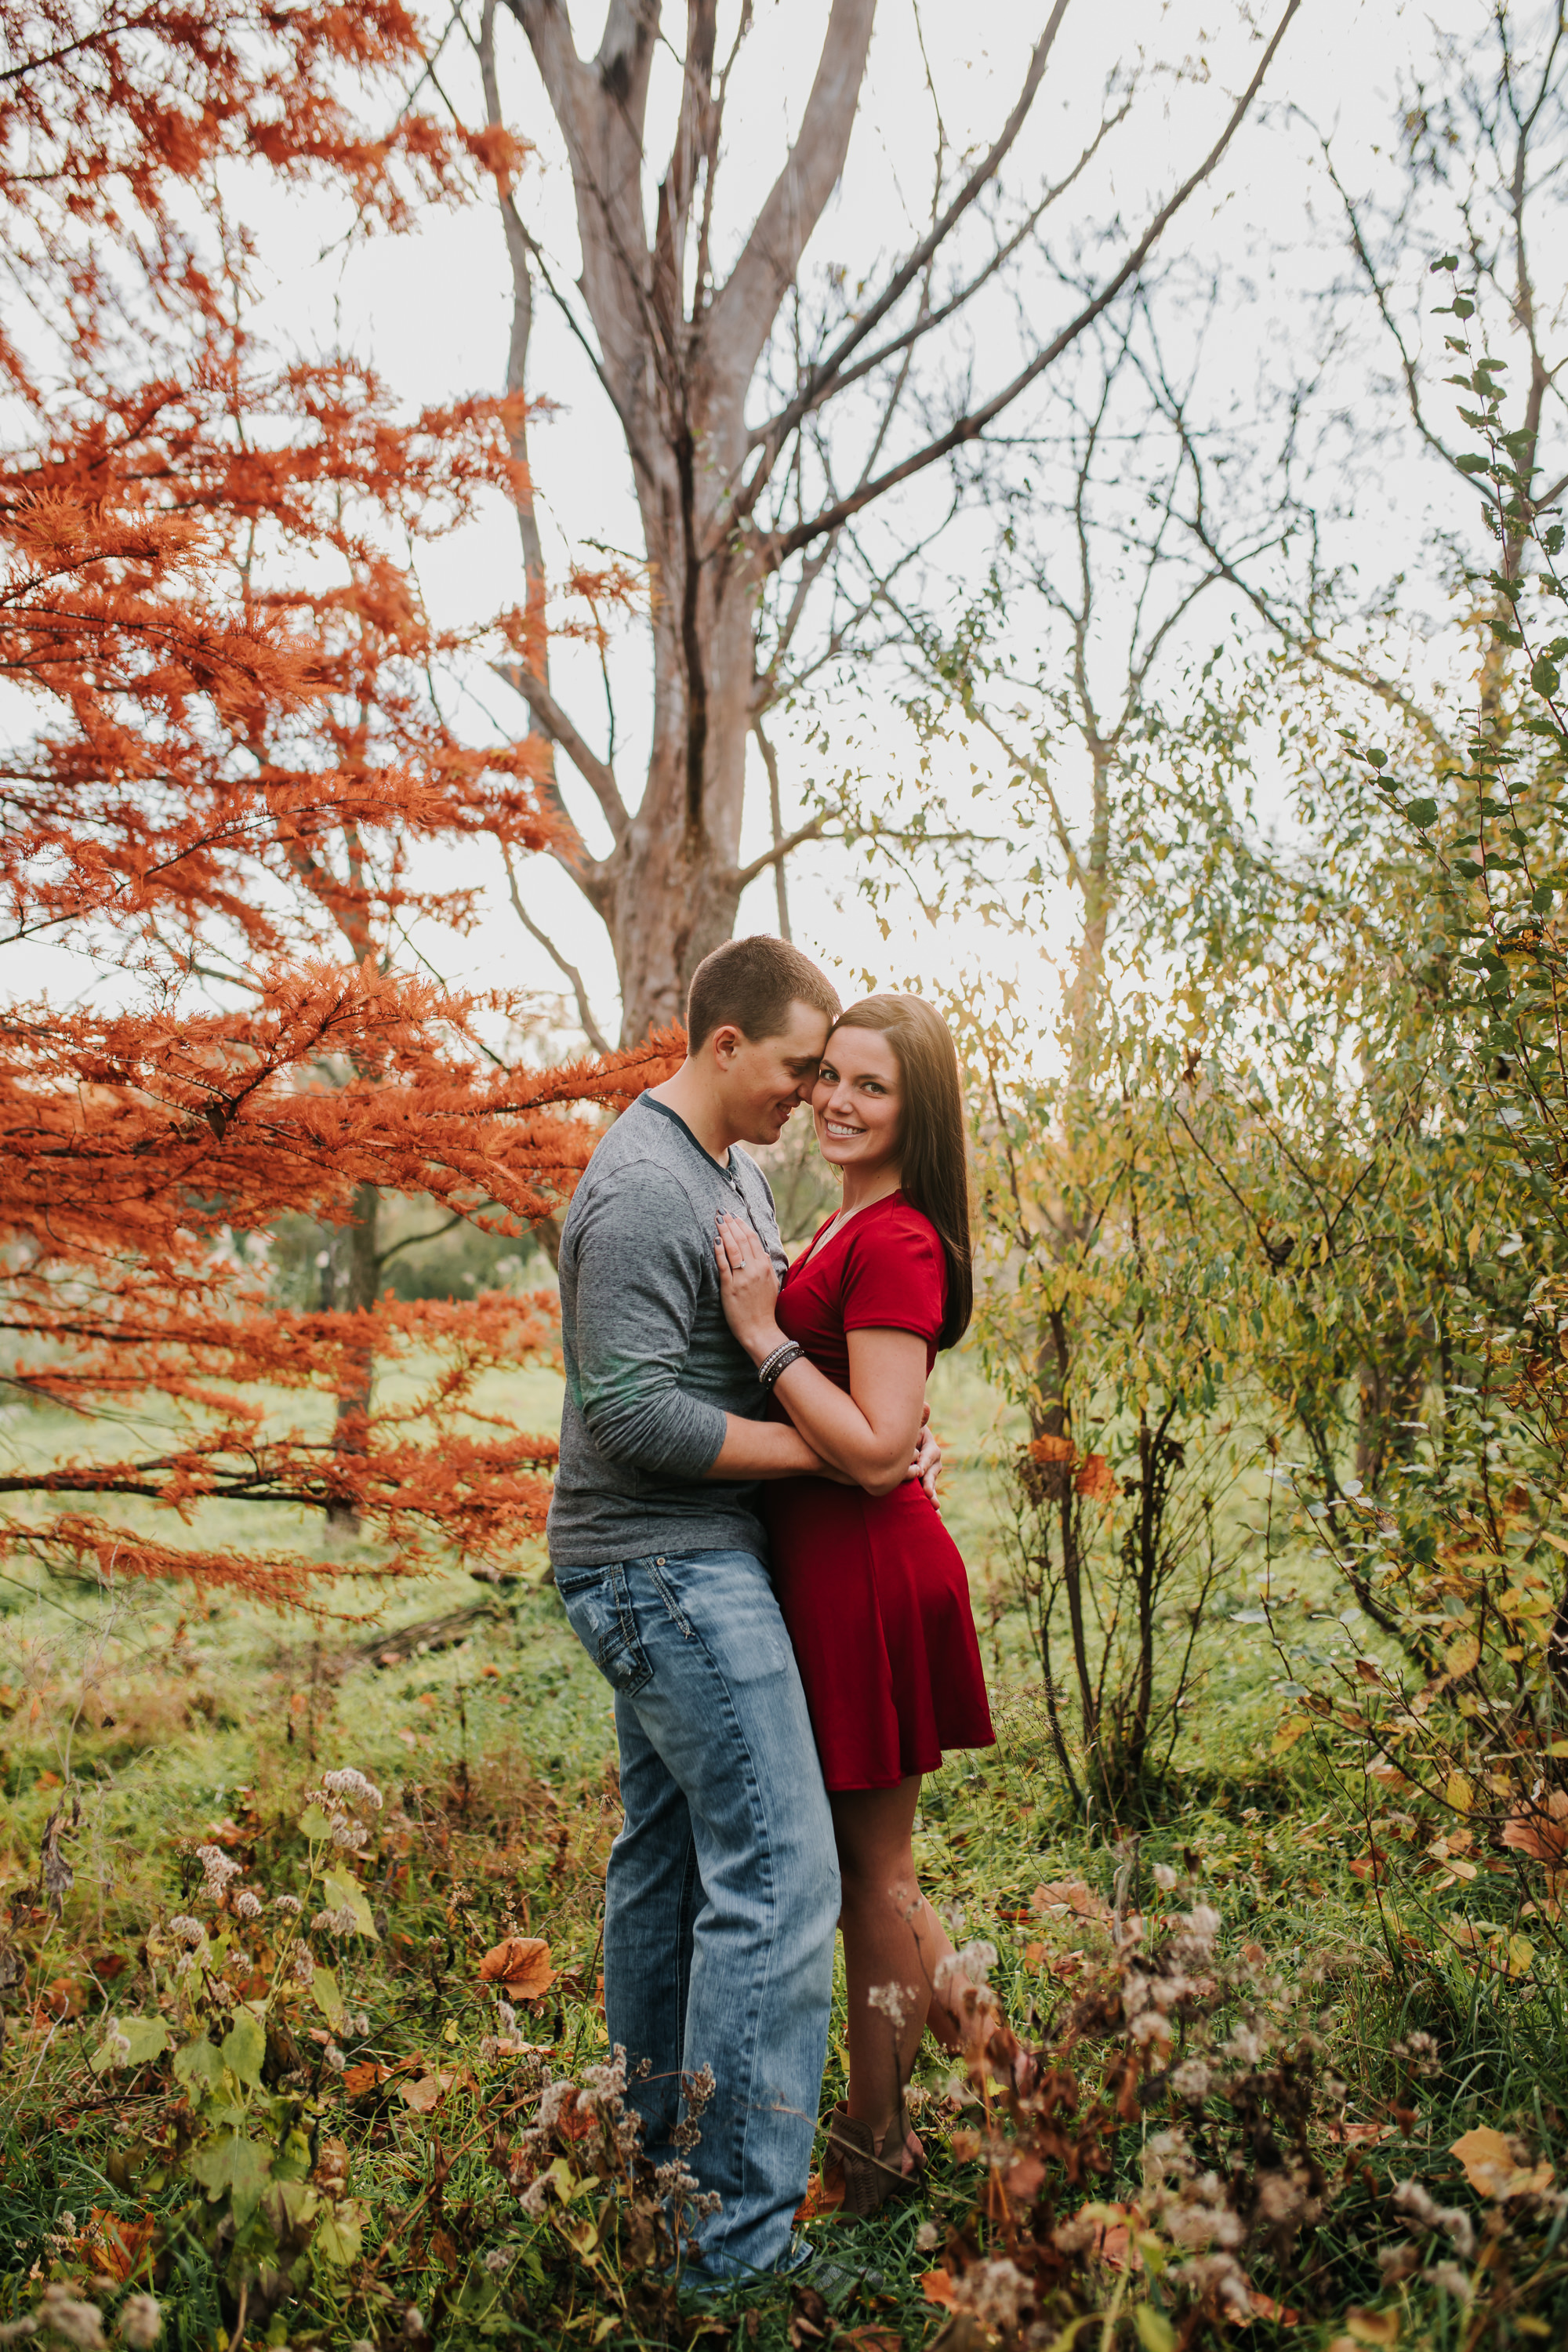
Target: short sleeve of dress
<point>895,1277</point>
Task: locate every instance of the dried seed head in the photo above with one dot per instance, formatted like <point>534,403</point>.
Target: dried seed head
<point>353,1788</point>
<point>140,2322</point>
<point>892,2001</point>
<point>219,1868</point>
<point>59,2314</point>
<point>339,1922</point>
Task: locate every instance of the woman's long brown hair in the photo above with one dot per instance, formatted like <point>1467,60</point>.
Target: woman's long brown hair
<point>932,1172</point>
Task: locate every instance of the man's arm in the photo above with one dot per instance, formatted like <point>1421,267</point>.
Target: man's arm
<point>640,1266</point>
<point>763,1449</point>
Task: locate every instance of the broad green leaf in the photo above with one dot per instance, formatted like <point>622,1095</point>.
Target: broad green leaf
<point>339,2232</point>
<point>289,2207</point>
<point>344,1893</point>
<point>198,2065</point>
<point>314,1825</point>
<point>147,2037</point>
<point>1422,812</point>
<point>1154,2331</point>
<point>245,2047</point>
<point>324,1985</point>
<point>241,2167</point>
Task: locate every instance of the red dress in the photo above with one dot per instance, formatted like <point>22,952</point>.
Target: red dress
<point>873,1587</point>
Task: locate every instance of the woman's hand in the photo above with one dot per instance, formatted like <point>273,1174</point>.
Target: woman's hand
<point>749,1287</point>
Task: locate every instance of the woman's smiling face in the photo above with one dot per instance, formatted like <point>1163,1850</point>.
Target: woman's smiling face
<point>857,1100</point>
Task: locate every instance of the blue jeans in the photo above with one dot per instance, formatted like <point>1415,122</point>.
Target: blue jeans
<point>722,1896</point>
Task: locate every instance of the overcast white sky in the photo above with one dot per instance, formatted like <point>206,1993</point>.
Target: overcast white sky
<point>431,309</point>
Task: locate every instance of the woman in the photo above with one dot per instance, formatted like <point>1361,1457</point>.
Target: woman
<point>871,1585</point>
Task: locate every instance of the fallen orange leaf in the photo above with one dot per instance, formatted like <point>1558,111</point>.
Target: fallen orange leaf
<point>937,2287</point>
<point>821,2198</point>
<point>1115,2246</point>
<point>355,2079</point>
<point>1069,1894</point>
<point>426,2093</point>
<point>1540,1828</point>
<point>115,2245</point>
<point>522,1964</point>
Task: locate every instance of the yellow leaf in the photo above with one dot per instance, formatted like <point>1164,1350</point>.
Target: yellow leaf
<point>1461,1655</point>
<point>1487,2159</point>
<point>1458,1792</point>
<point>1372,2326</point>
<point>1289,1730</point>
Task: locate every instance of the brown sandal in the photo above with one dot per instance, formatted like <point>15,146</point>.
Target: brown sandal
<point>866,2167</point>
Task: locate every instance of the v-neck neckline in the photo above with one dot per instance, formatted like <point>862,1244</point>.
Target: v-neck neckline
<point>823,1241</point>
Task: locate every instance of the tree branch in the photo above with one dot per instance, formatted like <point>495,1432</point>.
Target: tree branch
<point>777,547</point>
<point>744,309</point>
<point>778,853</point>
<point>411,1241</point>
<point>590,1027</point>
<point>599,777</point>
<point>770,761</point>
<point>824,375</point>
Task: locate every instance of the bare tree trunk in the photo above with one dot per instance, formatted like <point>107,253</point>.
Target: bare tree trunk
<point>350,1426</point>
<point>678,356</point>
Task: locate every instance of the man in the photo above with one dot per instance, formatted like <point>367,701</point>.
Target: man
<point>722,1891</point>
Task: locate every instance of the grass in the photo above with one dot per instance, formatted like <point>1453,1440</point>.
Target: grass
<point>176,1723</point>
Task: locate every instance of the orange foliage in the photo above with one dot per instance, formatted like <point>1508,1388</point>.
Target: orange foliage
<point>241,762</point>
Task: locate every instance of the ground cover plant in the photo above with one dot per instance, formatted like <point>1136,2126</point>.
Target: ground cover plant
<point>389,2115</point>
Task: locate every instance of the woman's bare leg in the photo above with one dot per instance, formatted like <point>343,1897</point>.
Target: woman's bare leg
<point>891,1937</point>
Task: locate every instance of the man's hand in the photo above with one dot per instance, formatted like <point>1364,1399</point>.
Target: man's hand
<point>927,1464</point>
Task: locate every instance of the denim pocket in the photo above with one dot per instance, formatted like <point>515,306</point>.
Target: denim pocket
<point>598,1607</point>
<point>725,1601</point>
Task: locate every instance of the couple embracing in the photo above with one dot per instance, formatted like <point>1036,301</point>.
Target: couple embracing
<point>744,1538</point>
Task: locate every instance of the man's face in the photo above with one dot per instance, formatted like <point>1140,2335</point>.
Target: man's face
<point>763,1079</point>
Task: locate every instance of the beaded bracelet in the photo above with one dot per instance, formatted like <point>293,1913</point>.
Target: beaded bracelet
<point>772,1367</point>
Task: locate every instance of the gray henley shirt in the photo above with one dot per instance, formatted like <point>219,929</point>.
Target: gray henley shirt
<point>651,1366</point>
